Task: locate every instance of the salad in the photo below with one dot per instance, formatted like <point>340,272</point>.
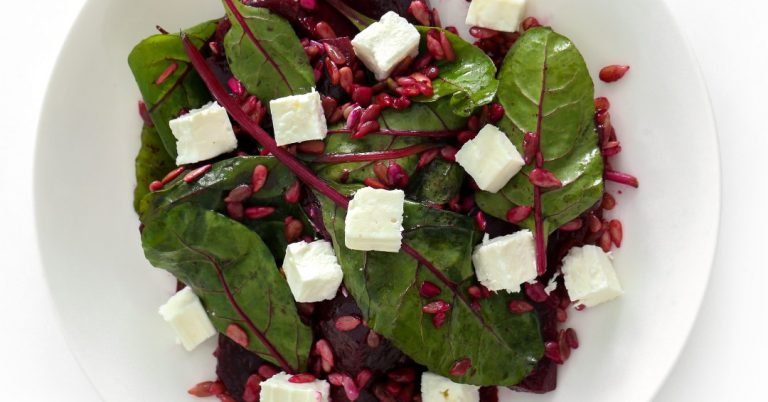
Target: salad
<point>364,205</point>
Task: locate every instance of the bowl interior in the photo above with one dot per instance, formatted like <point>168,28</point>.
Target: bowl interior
<point>107,294</point>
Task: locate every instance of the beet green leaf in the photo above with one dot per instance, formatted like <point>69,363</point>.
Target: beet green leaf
<point>152,163</point>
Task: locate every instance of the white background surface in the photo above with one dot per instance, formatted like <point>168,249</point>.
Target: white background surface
<point>724,359</point>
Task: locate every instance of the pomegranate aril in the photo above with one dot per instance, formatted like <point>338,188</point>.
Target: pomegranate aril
<point>373,183</point>
<point>237,334</point>
<point>423,61</point>
<point>461,367</point>
<point>401,103</point>
<point>405,81</point>
<point>561,315</point>
<point>347,323</point>
<point>346,79</point>
<point>397,176</point>
<point>482,33</point>
<point>535,291</point>
<point>239,194</point>
<point>363,377</point>
<point>431,72</point>
<point>371,113</point>
<point>324,30</point>
<point>258,212</point>
<point>435,48</point>
<point>439,319</point>
<point>259,177</point>
<point>465,136</point>
<point>449,153</point>
<point>573,225</point>
<point>196,174</point>
<point>519,214</point>
<point>267,371</point>
<point>475,292</point>
<point>252,388</point>
<point>293,229</point>
<point>519,306</point>
<point>616,231</point>
<point>393,387</point>
<point>481,221</point>
<point>293,193</point>
<point>202,389</point>
<point>426,89</point>
<point>166,73</point>
<point>594,223</point>
<point>350,388</point>
<point>335,54</point>
<point>448,51</point>
<point>144,113</point>
<point>335,379</point>
<point>333,71</point>
<point>608,202</point>
<point>571,338</point>
<point>353,120</point>
<point>622,178</point>
<point>530,23</point>
<point>419,10</point>
<point>235,210</point>
<point>613,72</point>
<point>365,129</point>
<point>452,29</point>
<point>408,91</point>
<point>362,95</point>
<point>373,340</point>
<point>530,147</point>
<point>302,378</point>
<point>552,351</point>
<point>544,178</point>
<point>226,398</point>
<point>384,100</point>
<point>429,290</point>
<point>314,147</point>
<point>427,157</point>
<point>156,185</point>
<point>439,306</point>
<point>496,112</point>
<point>402,375</point>
<point>602,104</point>
<point>323,348</point>
<point>308,4</point>
<point>605,241</point>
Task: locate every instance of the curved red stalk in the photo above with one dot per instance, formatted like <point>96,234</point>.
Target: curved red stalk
<point>623,178</point>
<point>406,133</point>
<point>375,155</point>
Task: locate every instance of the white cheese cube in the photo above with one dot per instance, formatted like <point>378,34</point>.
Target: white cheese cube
<point>506,262</point>
<point>312,271</point>
<point>490,158</point>
<point>589,276</point>
<point>386,43</point>
<point>435,388</point>
<point>374,220</point>
<point>501,15</point>
<point>298,118</point>
<point>203,134</point>
<point>279,389</point>
<point>188,318</point>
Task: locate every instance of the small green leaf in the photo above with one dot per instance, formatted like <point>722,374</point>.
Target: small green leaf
<point>183,89</point>
<point>436,183</point>
<point>265,54</point>
<point>469,81</point>
<point>545,83</point>
<point>230,268</point>
<point>152,163</point>
<point>503,347</point>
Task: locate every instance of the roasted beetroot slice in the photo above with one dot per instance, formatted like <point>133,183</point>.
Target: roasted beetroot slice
<point>376,8</point>
<point>304,20</point>
<point>344,44</point>
<point>489,394</point>
<point>234,365</point>
<point>542,379</point>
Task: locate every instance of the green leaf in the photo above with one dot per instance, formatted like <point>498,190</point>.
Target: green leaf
<point>502,347</point>
<point>265,54</point>
<point>209,192</point>
<point>419,117</point>
<point>436,183</point>
<point>470,80</point>
<point>544,82</point>
<point>235,276</point>
<point>183,89</point>
<point>152,163</point>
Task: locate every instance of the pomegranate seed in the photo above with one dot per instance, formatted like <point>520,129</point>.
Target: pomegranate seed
<point>565,348</point>
<point>594,223</point>
<point>236,87</point>
<point>346,79</point>
<point>530,147</point>
<point>365,129</point>
<point>335,54</point>
<point>622,178</point>
<point>202,389</point>
<point>329,105</point>
<point>611,148</point>
<point>460,367</point>
<point>363,377</point>
<point>166,73</point>
<point>468,203</point>
<point>475,305</point>
<point>452,29</point>
<point>426,89</point>
<point>353,120</point>
<point>371,182</point>
<point>561,315</point>
<point>616,231</point>
<point>552,351</point>
<point>608,202</point>
<point>473,123</point>
<point>439,319</point>
<point>449,153</point>
<point>173,174</point>
<point>362,95</point>
<point>519,214</point>
<point>324,30</point>
<point>259,177</point>
<point>402,375</point>
<point>520,306</point>
<point>450,54</point>
<point>420,11</point>
<point>252,388</point>
<point>573,225</point>
<point>315,147</point>
<point>439,306</point>
<point>144,113</point>
<point>403,66</point>
<point>429,290</point>
<point>293,193</point>
<point>496,112</point>
<point>482,33</point>
<point>196,174</point>
<point>373,340</point>
<point>371,113</point>
<point>435,48</point>
<point>258,212</point>
<point>302,378</point>
<point>333,71</point>
<point>311,50</point>
<point>431,72</point>
<point>571,338</point>
<point>239,194</point>
<point>384,100</point>
<point>535,291</point>
<point>335,379</point>
<point>393,387</point>
<point>405,81</point>
<point>347,323</point>
<point>544,178</point>
<point>529,23</point>
<point>226,398</point>
<point>267,371</point>
<point>466,136</point>
<point>613,72</point>
<point>438,23</point>
<point>250,105</point>
<point>475,292</point>
<point>380,170</point>
<point>235,211</point>
<point>580,307</point>
<point>156,186</point>
<point>323,348</point>
<point>480,219</point>
<point>605,241</point>
<point>401,103</point>
<point>408,91</point>
<point>293,229</point>
<point>423,61</point>
<point>308,4</point>
<point>427,157</point>
<point>602,104</point>
<point>350,388</point>
<point>237,334</point>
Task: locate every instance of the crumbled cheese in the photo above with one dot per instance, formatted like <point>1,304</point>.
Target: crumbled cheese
<point>298,118</point>
<point>312,270</point>
<point>506,262</point>
<point>552,285</point>
<point>435,388</point>
<point>490,158</point>
<point>203,134</point>
<point>278,388</point>
<point>386,43</point>
<point>187,316</point>
<point>500,15</point>
<point>589,276</point>
<point>374,220</point>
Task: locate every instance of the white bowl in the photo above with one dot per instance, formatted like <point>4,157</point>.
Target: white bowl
<point>107,294</point>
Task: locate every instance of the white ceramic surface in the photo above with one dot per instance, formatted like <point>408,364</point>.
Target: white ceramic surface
<point>107,295</point>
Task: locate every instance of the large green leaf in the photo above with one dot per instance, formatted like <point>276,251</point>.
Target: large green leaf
<point>235,276</point>
<point>265,54</point>
<point>502,347</point>
<point>436,183</point>
<point>419,117</point>
<point>152,163</point>
<point>183,89</point>
<point>470,80</point>
<point>545,87</point>
<point>211,189</point>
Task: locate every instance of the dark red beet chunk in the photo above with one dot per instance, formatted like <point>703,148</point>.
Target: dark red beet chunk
<point>489,394</point>
<point>543,378</point>
<point>376,8</point>
<point>234,365</point>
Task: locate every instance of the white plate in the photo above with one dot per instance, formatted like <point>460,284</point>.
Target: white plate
<point>107,294</point>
